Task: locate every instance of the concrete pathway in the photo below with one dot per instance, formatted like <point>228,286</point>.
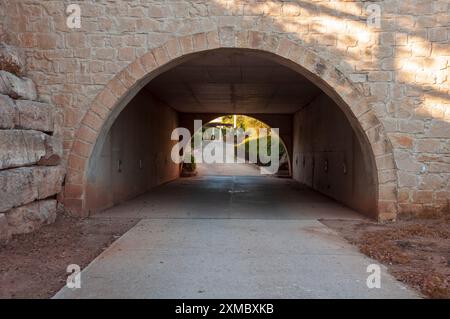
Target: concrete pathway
<point>248,197</point>
<point>229,167</point>
<point>231,237</point>
<point>244,169</point>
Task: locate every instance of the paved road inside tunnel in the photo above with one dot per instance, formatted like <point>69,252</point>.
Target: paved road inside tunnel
<point>231,237</point>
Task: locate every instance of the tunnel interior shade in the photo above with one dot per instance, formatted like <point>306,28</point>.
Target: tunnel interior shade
<point>327,153</point>
<point>233,81</point>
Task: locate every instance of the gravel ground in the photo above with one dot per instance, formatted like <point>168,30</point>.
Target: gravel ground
<point>416,252</point>
<point>34,265</point>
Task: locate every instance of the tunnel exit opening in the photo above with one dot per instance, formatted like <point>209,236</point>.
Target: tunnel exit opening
<point>232,145</point>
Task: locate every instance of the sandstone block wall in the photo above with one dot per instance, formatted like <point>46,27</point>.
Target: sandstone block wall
<point>31,150</point>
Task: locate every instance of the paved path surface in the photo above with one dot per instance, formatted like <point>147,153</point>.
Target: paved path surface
<point>244,169</point>
<point>248,197</point>
<point>229,167</point>
<point>231,237</point>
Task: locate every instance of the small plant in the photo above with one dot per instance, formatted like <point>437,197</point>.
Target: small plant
<point>190,167</point>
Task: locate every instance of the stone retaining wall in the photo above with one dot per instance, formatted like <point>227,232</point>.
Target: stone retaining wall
<point>30,151</point>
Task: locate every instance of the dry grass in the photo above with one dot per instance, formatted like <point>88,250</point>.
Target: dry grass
<point>416,252</point>
<point>34,265</point>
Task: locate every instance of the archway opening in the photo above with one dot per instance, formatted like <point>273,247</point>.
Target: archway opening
<point>328,148</point>
<point>236,145</point>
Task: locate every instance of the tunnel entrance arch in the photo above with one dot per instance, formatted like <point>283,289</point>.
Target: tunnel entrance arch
<point>109,103</point>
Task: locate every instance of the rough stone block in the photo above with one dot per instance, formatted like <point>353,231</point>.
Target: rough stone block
<point>423,197</point>
<point>7,112</point>
<point>20,148</point>
<point>24,185</point>
<point>53,151</point>
<point>48,180</point>
<point>12,59</point>
<point>37,116</point>
<point>24,148</point>
<point>17,88</point>
<point>29,115</point>
<point>439,129</point>
<point>406,162</point>
<point>16,188</point>
<point>400,140</point>
<point>28,218</point>
<point>4,229</point>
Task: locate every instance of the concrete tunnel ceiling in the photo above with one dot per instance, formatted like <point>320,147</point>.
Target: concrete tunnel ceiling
<point>233,81</point>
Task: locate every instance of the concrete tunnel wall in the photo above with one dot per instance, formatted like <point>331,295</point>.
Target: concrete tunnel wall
<point>139,142</point>
<point>328,156</point>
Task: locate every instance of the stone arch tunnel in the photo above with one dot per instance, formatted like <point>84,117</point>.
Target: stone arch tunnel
<point>132,155</point>
<point>363,109</point>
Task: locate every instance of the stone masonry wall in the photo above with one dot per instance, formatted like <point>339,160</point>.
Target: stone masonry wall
<point>401,66</point>
<point>30,151</point>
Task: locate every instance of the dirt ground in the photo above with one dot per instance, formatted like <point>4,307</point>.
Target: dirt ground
<point>416,252</point>
<point>34,265</point>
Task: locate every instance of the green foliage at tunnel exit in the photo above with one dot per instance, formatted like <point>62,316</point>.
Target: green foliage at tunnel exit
<point>270,138</point>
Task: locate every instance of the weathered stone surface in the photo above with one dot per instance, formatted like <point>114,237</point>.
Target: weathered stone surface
<point>7,112</point>
<point>53,151</point>
<point>20,148</point>
<point>28,218</point>
<point>23,185</point>
<point>31,115</point>
<point>4,229</point>
<point>17,88</point>
<point>439,129</point>
<point>24,148</point>
<point>16,188</point>
<point>12,59</point>
<point>48,180</point>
